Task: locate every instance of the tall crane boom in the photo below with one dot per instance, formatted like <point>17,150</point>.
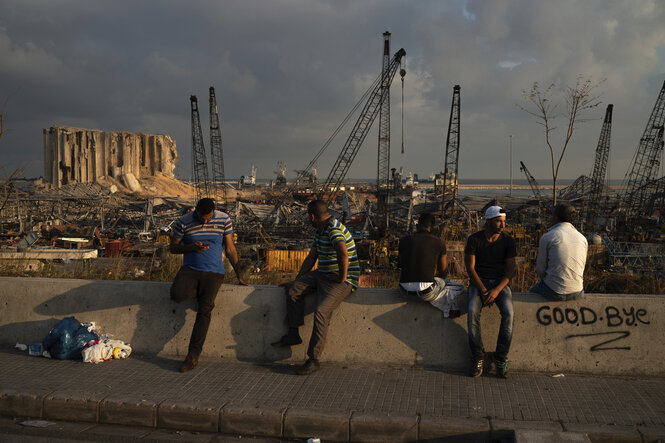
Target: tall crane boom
<point>199,164</point>
<point>216,151</point>
<point>358,133</point>
<point>599,167</point>
<point>383,166</point>
<point>646,162</point>
<point>450,188</point>
<point>532,182</point>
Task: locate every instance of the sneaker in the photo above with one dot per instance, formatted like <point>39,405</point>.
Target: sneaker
<point>287,341</point>
<point>477,368</point>
<point>310,366</point>
<point>190,363</point>
<point>501,368</point>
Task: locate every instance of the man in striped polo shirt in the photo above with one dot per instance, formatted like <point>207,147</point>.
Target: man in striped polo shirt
<point>202,236</point>
<point>333,281</point>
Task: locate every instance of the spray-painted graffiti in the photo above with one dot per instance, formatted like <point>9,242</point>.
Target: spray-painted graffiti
<point>611,317</point>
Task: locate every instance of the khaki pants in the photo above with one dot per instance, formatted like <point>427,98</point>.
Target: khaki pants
<point>330,295</point>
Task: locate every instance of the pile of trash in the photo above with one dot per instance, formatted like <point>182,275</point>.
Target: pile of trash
<point>70,339</point>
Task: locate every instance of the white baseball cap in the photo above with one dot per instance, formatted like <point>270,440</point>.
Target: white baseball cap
<point>494,212</point>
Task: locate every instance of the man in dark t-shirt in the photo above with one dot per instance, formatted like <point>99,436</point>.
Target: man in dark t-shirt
<point>422,257</point>
<point>489,257</point>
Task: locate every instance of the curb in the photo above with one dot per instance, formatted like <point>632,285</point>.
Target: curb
<point>293,423</point>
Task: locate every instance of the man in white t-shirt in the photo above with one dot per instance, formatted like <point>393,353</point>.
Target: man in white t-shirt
<point>562,254</point>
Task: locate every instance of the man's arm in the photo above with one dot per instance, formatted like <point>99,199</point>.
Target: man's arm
<point>232,254</point>
<point>309,262</point>
<point>541,260</point>
<point>442,267</point>
<point>510,271</point>
<point>178,247</point>
<point>342,260</point>
<point>474,279</point>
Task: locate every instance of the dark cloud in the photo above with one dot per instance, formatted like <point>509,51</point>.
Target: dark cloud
<point>286,74</point>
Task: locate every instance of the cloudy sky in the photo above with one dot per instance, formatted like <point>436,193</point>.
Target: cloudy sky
<point>287,72</point>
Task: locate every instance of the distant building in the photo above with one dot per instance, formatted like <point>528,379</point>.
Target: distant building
<point>74,155</point>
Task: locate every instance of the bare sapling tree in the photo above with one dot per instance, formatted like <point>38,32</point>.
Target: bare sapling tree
<point>578,98</point>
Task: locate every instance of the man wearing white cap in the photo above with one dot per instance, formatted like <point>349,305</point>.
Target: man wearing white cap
<point>489,257</point>
<point>561,259</point>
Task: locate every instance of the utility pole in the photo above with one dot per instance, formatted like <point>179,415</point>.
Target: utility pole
<point>511,165</point>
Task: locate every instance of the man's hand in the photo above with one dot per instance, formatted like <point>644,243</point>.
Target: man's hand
<point>241,282</point>
<point>200,247</point>
<point>491,295</point>
<point>178,247</point>
<point>335,276</point>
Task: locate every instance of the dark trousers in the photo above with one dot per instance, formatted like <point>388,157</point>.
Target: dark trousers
<point>203,286</point>
<point>330,294</point>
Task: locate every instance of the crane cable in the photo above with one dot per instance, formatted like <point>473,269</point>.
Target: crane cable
<point>402,73</point>
<point>362,100</point>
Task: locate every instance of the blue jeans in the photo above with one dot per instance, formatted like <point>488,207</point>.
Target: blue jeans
<point>542,289</point>
<point>504,302</point>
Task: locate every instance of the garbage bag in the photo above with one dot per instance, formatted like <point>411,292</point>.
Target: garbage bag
<point>105,349</point>
<point>67,339</point>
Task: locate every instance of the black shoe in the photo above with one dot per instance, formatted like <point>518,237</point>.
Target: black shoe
<point>287,341</point>
<point>501,368</point>
<point>190,363</point>
<point>477,368</point>
<point>310,366</point>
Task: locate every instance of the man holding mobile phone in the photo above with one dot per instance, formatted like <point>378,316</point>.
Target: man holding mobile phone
<point>489,257</point>
<point>202,235</point>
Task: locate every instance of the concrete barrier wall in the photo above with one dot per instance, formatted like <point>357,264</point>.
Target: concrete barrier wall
<point>599,334</point>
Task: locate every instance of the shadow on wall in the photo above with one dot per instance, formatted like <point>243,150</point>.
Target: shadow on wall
<point>154,319</point>
<point>437,341</point>
<point>264,322</point>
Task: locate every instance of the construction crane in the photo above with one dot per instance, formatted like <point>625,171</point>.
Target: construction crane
<point>199,164</point>
<point>383,166</point>
<point>450,189</point>
<point>359,131</point>
<point>646,162</point>
<point>216,151</point>
<point>579,188</point>
<point>532,182</point>
<point>594,196</point>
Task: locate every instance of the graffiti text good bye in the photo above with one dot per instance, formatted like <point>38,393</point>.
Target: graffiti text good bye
<point>611,316</point>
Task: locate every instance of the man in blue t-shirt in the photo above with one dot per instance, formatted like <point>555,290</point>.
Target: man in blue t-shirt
<point>202,235</point>
<point>489,257</point>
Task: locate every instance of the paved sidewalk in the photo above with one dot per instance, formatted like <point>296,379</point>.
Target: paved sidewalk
<point>335,404</point>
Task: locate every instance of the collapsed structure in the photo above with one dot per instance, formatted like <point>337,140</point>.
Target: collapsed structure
<point>74,155</point>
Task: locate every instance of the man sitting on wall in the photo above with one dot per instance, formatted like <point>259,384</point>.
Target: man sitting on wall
<point>489,256</point>
<point>562,254</point>
<point>333,281</point>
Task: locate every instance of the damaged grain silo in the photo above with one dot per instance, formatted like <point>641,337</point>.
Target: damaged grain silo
<point>74,155</point>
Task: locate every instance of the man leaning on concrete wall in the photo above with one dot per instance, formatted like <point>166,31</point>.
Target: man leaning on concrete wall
<point>562,253</point>
<point>202,236</point>
<point>334,280</point>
